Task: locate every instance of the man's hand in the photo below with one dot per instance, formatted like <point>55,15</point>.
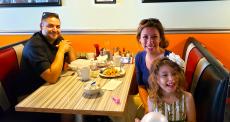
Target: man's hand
<point>65,45</point>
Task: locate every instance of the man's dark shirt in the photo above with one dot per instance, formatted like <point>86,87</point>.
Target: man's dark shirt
<point>38,55</point>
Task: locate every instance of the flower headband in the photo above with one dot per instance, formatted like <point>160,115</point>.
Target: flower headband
<point>176,58</point>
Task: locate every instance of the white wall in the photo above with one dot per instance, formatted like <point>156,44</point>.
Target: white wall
<point>125,14</point>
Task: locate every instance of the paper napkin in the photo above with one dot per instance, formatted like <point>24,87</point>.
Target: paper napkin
<point>112,84</point>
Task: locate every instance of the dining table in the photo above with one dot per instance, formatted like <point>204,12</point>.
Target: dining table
<point>67,96</point>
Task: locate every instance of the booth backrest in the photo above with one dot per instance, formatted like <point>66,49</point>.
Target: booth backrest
<point>207,80</point>
<point>10,58</point>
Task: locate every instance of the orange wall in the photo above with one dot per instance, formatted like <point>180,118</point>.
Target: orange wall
<point>217,44</point>
<point>10,39</point>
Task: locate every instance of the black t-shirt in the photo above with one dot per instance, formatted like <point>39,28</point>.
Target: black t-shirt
<point>38,55</point>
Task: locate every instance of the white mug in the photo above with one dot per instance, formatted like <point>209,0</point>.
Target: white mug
<point>117,60</point>
<point>84,73</point>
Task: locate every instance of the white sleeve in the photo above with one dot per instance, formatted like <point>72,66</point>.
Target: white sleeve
<point>150,105</point>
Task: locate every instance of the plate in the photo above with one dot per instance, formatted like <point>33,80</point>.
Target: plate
<point>112,72</point>
<point>101,65</point>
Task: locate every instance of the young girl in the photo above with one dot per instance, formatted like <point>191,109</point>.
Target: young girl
<point>166,94</point>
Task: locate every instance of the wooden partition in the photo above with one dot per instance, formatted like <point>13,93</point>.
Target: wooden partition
<point>217,44</point>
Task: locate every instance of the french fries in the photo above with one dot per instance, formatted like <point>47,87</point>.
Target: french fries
<point>111,72</point>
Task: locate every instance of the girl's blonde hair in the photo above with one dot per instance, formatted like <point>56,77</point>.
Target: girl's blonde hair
<point>155,92</point>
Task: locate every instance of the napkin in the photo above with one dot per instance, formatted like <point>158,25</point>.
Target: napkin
<point>102,58</point>
<point>111,84</point>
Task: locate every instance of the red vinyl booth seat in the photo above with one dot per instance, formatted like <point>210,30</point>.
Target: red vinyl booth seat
<point>193,58</point>
<point>10,57</point>
<point>9,70</point>
<point>208,81</point>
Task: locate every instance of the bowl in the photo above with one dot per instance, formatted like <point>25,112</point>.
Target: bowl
<point>73,67</point>
<point>91,88</point>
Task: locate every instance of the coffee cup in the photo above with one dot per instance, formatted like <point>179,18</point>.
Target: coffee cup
<point>117,60</point>
<point>84,73</point>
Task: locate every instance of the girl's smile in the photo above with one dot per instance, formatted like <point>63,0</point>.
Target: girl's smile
<point>167,79</point>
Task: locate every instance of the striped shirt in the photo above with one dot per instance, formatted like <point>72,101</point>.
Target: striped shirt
<point>175,112</point>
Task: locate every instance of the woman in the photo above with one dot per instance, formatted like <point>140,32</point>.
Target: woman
<point>150,34</point>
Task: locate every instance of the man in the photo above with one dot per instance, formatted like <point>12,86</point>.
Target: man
<point>44,54</point>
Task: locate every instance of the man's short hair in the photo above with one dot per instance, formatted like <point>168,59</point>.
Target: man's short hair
<point>46,15</point>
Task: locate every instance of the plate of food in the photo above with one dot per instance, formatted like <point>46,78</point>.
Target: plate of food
<point>112,72</point>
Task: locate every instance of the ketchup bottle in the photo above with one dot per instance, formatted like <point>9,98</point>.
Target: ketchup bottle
<point>97,49</point>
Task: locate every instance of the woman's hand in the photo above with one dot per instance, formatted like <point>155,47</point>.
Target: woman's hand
<point>143,95</point>
<point>137,120</point>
